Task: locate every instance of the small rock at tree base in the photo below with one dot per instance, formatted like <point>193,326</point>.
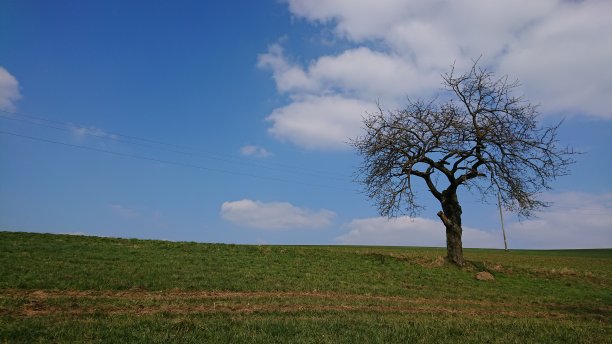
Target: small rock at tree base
<point>484,276</point>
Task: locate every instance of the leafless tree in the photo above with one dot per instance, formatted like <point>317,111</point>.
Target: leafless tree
<point>483,138</point>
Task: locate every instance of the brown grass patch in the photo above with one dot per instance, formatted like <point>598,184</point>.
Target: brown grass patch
<point>139,302</point>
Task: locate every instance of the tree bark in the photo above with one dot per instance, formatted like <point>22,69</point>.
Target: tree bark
<point>451,217</point>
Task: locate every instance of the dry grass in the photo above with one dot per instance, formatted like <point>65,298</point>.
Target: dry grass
<point>41,303</point>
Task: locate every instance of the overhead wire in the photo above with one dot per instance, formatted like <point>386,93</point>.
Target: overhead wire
<point>68,127</point>
<point>156,144</point>
<point>169,162</point>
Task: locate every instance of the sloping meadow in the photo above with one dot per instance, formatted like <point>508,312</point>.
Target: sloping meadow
<point>60,288</point>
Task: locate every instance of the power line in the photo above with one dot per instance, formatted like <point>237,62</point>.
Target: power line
<point>69,127</point>
<point>111,137</point>
<point>168,162</point>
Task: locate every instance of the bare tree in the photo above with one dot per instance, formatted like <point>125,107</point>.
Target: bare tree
<point>483,138</point>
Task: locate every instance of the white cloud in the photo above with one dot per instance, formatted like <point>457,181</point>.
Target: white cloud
<point>332,95</point>
<point>254,151</point>
<point>559,49</point>
<point>288,76</point>
<point>564,61</point>
<point>274,215</point>
<point>9,90</point>
<point>576,220</point>
<point>406,231</point>
<point>356,20</point>
<point>360,72</point>
<point>325,122</point>
<point>370,75</point>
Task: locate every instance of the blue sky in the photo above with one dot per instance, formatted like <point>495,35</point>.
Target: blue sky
<point>228,121</point>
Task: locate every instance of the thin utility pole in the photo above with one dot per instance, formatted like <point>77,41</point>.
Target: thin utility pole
<point>501,217</point>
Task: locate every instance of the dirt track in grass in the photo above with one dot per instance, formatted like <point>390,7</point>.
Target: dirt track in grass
<point>36,303</point>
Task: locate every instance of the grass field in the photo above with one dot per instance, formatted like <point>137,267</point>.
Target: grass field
<point>61,288</point>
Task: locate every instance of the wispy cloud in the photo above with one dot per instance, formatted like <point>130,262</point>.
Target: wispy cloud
<point>123,211</point>
<point>9,90</point>
<point>274,215</point>
<point>399,48</point>
<point>255,151</point>
<point>80,132</point>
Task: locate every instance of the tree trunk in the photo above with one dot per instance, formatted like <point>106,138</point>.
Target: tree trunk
<point>451,217</point>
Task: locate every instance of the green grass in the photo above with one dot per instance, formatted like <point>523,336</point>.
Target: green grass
<point>61,288</point>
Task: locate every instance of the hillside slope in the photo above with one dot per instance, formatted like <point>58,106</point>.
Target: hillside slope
<point>62,288</point>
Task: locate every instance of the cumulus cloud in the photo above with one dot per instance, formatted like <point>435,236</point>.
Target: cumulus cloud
<point>559,50</point>
<point>355,20</point>
<point>9,90</point>
<point>407,231</point>
<point>321,122</point>
<point>330,97</point>
<point>360,72</point>
<point>288,76</point>
<point>576,220</point>
<point>274,215</point>
<point>254,151</point>
<point>563,62</point>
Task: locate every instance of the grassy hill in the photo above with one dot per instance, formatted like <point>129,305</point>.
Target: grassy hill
<point>61,288</point>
